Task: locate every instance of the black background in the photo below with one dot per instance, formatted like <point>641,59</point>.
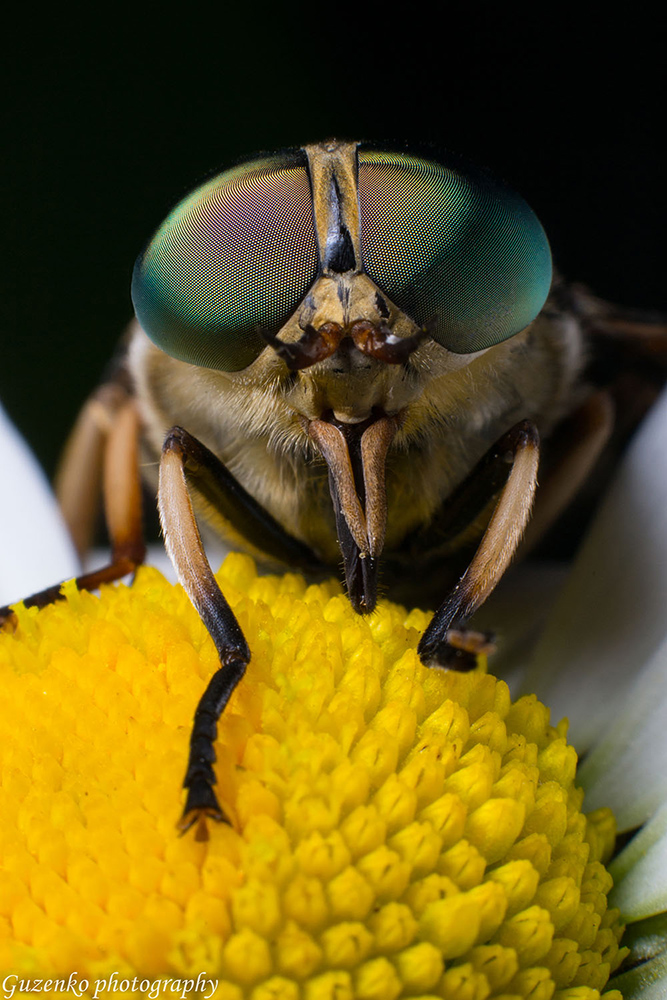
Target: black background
<point>112,119</point>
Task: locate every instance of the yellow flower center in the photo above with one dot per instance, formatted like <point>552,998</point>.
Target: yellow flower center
<point>397,831</point>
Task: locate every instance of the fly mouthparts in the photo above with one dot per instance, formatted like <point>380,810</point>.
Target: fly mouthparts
<point>356,457</point>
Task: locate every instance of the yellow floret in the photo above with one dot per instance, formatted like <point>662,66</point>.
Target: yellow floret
<point>397,831</point>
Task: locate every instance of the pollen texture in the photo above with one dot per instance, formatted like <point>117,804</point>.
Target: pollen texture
<point>396,831</point>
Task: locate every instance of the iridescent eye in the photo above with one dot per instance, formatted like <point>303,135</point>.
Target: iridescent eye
<point>235,257</point>
<point>461,254</point>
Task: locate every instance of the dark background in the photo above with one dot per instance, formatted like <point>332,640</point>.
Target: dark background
<point>111,121</point>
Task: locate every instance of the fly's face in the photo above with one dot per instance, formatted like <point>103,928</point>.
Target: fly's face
<point>349,279</point>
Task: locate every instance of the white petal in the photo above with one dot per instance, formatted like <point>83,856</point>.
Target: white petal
<point>610,617</point>
<point>640,872</point>
<point>36,549</point>
<point>646,982</point>
<point>517,612</point>
<point>626,770</point>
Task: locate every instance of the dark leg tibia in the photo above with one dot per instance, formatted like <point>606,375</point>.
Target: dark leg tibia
<point>200,777</point>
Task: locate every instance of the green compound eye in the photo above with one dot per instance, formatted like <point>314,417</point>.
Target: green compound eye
<point>236,256</point>
<point>461,254</point>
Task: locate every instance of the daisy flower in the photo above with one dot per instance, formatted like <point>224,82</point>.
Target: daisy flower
<point>396,831</point>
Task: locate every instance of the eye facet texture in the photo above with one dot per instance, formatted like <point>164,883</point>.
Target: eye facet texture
<point>462,255</point>
<point>235,256</point>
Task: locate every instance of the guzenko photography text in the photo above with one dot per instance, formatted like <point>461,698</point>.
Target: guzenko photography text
<point>152,988</point>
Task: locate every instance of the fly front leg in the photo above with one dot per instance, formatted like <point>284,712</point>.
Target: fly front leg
<point>185,459</point>
<point>184,545</point>
<point>447,642</point>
